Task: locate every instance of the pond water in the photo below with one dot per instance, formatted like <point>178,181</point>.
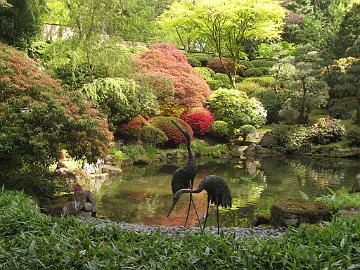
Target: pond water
<point>143,194</point>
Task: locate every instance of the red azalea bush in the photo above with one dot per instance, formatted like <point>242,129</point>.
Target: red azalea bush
<point>172,132</point>
<point>133,128</point>
<point>200,120</point>
<point>190,89</point>
<point>216,66</point>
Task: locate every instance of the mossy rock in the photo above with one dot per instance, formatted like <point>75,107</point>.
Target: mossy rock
<point>293,212</point>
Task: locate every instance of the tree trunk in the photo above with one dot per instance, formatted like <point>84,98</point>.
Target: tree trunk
<point>302,119</point>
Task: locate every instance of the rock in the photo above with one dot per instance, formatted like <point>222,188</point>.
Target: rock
<point>356,184</point>
<point>236,151</point>
<point>268,139</point>
<point>112,170</point>
<point>261,220</point>
<point>71,204</point>
<point>293,212</point>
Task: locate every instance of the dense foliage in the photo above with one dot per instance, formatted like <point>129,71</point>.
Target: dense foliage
<point>235,108</point>
<point>166,124</point>
<point>164,59</point>
<point>200,120</point>
<point>38,119</point>
<point>120,99</point>
<point>33,236</point>
<point>20,22</point>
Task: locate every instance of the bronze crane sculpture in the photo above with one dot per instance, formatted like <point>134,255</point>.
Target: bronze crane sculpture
<point>218,194</point>
<point>183,177</point>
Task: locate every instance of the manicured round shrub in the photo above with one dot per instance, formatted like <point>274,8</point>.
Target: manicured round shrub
<point>171,131</point>
<point>200,120</point>
<point>326,130</point>
<point>203,58</point>
<point>217,66</point>
<point>247,64</point>
<point>250,88</point>
<point>205,72</point>
<point>257,72</point>
<point>246,130</point>
<point>153,135</point>
<point>133,128</point>
<point>236,108</point>
<point>220,80</point>
<point>265,81</point>
<point>262,63</point>
<point>222,130</point>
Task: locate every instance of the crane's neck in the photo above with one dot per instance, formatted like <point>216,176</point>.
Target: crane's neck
<point>191,156</point>
<point>186,190</point>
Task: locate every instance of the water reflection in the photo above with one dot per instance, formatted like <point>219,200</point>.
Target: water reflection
<point>143,195</point>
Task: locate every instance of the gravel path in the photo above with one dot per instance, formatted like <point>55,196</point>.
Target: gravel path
<point>180,231</point>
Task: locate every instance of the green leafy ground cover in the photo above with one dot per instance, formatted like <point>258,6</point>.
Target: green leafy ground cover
<point>31,240</point>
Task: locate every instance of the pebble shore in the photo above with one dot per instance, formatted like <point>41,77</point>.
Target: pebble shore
<point>181,231</point>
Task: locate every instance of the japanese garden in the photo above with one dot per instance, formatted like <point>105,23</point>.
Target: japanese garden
<point>179,134</point>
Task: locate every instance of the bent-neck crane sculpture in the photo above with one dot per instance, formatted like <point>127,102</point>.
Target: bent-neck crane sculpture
<point>218,193</point>
<point>183,177</point>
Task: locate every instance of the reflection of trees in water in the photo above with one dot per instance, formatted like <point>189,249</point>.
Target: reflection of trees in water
<point>143,194</point>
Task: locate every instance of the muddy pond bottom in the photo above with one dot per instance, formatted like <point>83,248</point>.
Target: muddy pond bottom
<point>143,194</point>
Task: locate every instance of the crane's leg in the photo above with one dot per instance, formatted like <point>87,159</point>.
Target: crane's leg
<point>207,214</point>
<point>217,218</point>
<point>188,211</point>
<point>196,212</point>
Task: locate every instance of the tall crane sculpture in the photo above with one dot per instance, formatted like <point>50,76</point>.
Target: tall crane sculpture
<point>218,193</point>
<point>183,177</point>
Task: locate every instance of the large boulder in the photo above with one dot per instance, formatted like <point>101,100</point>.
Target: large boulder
<point>81,203</point>
<point>293,212</point>
<point>268,139</point>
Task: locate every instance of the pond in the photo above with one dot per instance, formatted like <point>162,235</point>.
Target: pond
<point>143,194</point>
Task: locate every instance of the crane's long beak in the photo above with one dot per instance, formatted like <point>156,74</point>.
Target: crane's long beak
<point>172,208</point>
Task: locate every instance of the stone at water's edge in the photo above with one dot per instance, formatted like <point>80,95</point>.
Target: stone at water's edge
<point>71,204</point>
<point>293,212</point>
<point>356,184</point>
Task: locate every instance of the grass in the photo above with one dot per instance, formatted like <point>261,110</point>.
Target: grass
<point>30,240</point>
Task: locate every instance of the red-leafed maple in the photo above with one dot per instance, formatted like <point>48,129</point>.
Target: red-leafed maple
<point>172,132</point>
<point>133,128</point>
<point>190,89</point>
<point>200,120</point>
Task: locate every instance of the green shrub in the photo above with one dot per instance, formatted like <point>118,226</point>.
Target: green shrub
<point>291,137</point>
<point>262,63</point>
<point>266,81</point>
<point>247,64</point>
<point>257,72</point>
<point>236,108</point>
<point>205,72</point>
<point>222,130</point>
<point>246,130</point>
<point>120,99</point>
<point>250,88</point>
<point>326,130</point>
<point>28,237</point>
<point>193,61</point>
<point>353,134</point>
<point>272,102</point>
<point>340,198</point>
<point>153,135</point>
<point>220,80</point>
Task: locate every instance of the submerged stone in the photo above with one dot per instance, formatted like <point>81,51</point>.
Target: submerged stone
<point>293,212</point>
